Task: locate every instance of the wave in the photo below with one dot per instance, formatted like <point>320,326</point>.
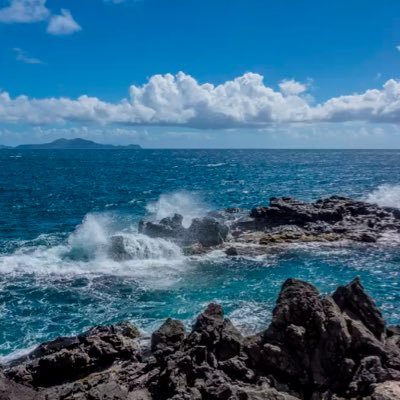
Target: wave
<point>215,165</point>
<point>385,196</point>
<point>96,247</point>
<point>187,204</point>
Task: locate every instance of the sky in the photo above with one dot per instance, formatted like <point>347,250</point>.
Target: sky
<point>201,74</point>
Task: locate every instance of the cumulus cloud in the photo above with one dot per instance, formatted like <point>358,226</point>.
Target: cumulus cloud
<point>292,87</point>
<point>24,11</point>
<point>179,100</point>
<point>63,24</point>
<point>24,57</point>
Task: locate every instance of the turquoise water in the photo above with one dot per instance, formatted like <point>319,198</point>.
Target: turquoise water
<point>58,210</point>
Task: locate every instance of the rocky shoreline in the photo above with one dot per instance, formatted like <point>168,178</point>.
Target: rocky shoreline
<point>316,347</point>
<point>284,220</point>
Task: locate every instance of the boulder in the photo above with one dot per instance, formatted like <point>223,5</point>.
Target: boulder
<point>167,228</point>
<point>231,251</point>
<point>169,337</point>
<point>207,231</point>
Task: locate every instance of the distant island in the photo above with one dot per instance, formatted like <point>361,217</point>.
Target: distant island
<point>71,144</point>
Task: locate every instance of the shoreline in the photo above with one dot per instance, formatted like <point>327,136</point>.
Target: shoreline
<point>316,347</point>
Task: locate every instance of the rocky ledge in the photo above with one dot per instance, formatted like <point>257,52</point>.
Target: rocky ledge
<point>284,220</point>
<point>316,347</point>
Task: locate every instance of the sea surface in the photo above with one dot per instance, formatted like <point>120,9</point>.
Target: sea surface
<point>59,208</point>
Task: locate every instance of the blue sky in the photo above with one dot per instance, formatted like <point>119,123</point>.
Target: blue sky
<point>255,73</point>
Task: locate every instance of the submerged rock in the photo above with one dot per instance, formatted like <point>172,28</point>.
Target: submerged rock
<point>316,347</point>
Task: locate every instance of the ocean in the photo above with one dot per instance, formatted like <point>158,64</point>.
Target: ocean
<point>59,208</point>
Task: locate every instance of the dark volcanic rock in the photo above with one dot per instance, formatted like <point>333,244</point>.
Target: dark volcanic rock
<point>168,228</point>
<point>10,390</point>
<point>353,300</point>
<point>231,251</point>
<point>316,348</point>
<point>284,220</point>
<point>168,337</point>
<point>66,359</point>
<point>207,231</point>
<point>329,219</point>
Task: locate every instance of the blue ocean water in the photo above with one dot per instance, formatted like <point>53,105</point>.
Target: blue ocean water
<point>58,210</point>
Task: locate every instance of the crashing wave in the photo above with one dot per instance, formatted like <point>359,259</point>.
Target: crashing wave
<point>385,196</point>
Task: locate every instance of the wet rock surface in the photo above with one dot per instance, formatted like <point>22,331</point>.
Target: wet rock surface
<point>283,220</point>
<point>316,347</point>
<point>334,218</point>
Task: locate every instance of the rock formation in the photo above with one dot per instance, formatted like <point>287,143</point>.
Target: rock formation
<point>284,220</point>
<point>316,347</point>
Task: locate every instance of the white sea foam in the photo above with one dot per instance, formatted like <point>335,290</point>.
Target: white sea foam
<point>385,195</point>
<point>187,204</point>
<point>88,251</point>
<point>215,165</point>
<point>15,355</point>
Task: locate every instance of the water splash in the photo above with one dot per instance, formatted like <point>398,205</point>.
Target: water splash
<point>385,196</point>
<point>93,249</point>
<point>187,204</point>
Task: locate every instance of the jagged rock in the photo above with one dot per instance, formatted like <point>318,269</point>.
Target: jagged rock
<point>284,220</point>
<point>67,359</point>
<point>316,347</point>
<point>169,336</point>
<point>312,342</point>
<point>168,228</point>
<point>329,219</point>
<point>353,300</point>
<point>217,333</point>
<point>207,231</point>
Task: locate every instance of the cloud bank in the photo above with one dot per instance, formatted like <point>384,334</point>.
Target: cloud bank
<point>179,100</point>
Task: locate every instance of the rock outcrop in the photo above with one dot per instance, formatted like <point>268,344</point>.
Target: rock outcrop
<point>205,231</point>
<point>316,347</point>
<point>284,220</point>
<point>335,218</point>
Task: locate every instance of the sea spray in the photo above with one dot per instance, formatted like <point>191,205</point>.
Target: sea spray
<point>385,196</point>
<point>189,205</point>
<point>89,250</point>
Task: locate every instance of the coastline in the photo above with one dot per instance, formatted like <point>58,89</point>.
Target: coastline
<point>316,347</point>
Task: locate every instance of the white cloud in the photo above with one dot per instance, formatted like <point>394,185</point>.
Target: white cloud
<point>179,100</point>
<point>63,24</point>
<point>23,56</point>
<point>374,105</point>
<point>398,47</point>
<point>30,11</point>
<point>292,87</point>
<point>24,11</point>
